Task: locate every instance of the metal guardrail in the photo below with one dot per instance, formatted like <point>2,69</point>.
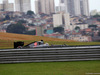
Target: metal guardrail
<point>50,54</point>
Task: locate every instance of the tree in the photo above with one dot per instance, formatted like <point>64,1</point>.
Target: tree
<point>30,13</point>
<point>30,24</point>
<point>93,27</point>
<point>45,31</point>
<point>96,16</point>
<point>43,14</point>
<point>16,28</point>
<point>21,21</point>
<point>7,17</point>
<point>98,19</point>
<point>33,32</point>
<point>83,32</point>
<point>59,29</point>
<point>99,33</point>
<point>77,28</point>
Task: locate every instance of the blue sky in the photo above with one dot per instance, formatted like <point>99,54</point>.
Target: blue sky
<point>93,4</point>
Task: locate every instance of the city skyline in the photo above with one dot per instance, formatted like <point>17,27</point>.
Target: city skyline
<point>93,4</point>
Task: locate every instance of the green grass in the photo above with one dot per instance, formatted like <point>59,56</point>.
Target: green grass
<point>51,68</point>
<point>73,43</point>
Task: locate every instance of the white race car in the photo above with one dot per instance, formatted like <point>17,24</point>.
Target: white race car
<point>37,44</point>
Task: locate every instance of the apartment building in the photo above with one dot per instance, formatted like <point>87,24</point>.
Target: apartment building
<point>22,5</point>
<point>6,6</point>
<point>44,6</point>
<point>75,7</point>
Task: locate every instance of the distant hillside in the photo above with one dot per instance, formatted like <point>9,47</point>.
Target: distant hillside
<point>16,37</point>
<point>7,40</point>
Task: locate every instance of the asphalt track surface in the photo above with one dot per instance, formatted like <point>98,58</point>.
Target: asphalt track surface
<point>82,53</point>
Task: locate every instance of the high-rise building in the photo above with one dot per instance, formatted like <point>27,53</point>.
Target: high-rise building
<point>44,6</point>
<point>52,6</point>
<point>84,7</point>
<point>61,6</point>
<point>93,12</point>
<point>18,5</point>
<point>61,19</point>
<point>11,7</point>
<point>1,7</point>
<point>75,7</point>
<point>70,6</point>
<point>57,20</point>
<point>22,5</point>
<point>37,6</point>
<point>62,1</point>
<point>6,6</point>
<point>39,31</point>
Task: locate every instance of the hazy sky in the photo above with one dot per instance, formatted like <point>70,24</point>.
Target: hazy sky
<point>93,4</point>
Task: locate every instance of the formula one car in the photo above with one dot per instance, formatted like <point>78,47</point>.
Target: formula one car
<point>36,44</point>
